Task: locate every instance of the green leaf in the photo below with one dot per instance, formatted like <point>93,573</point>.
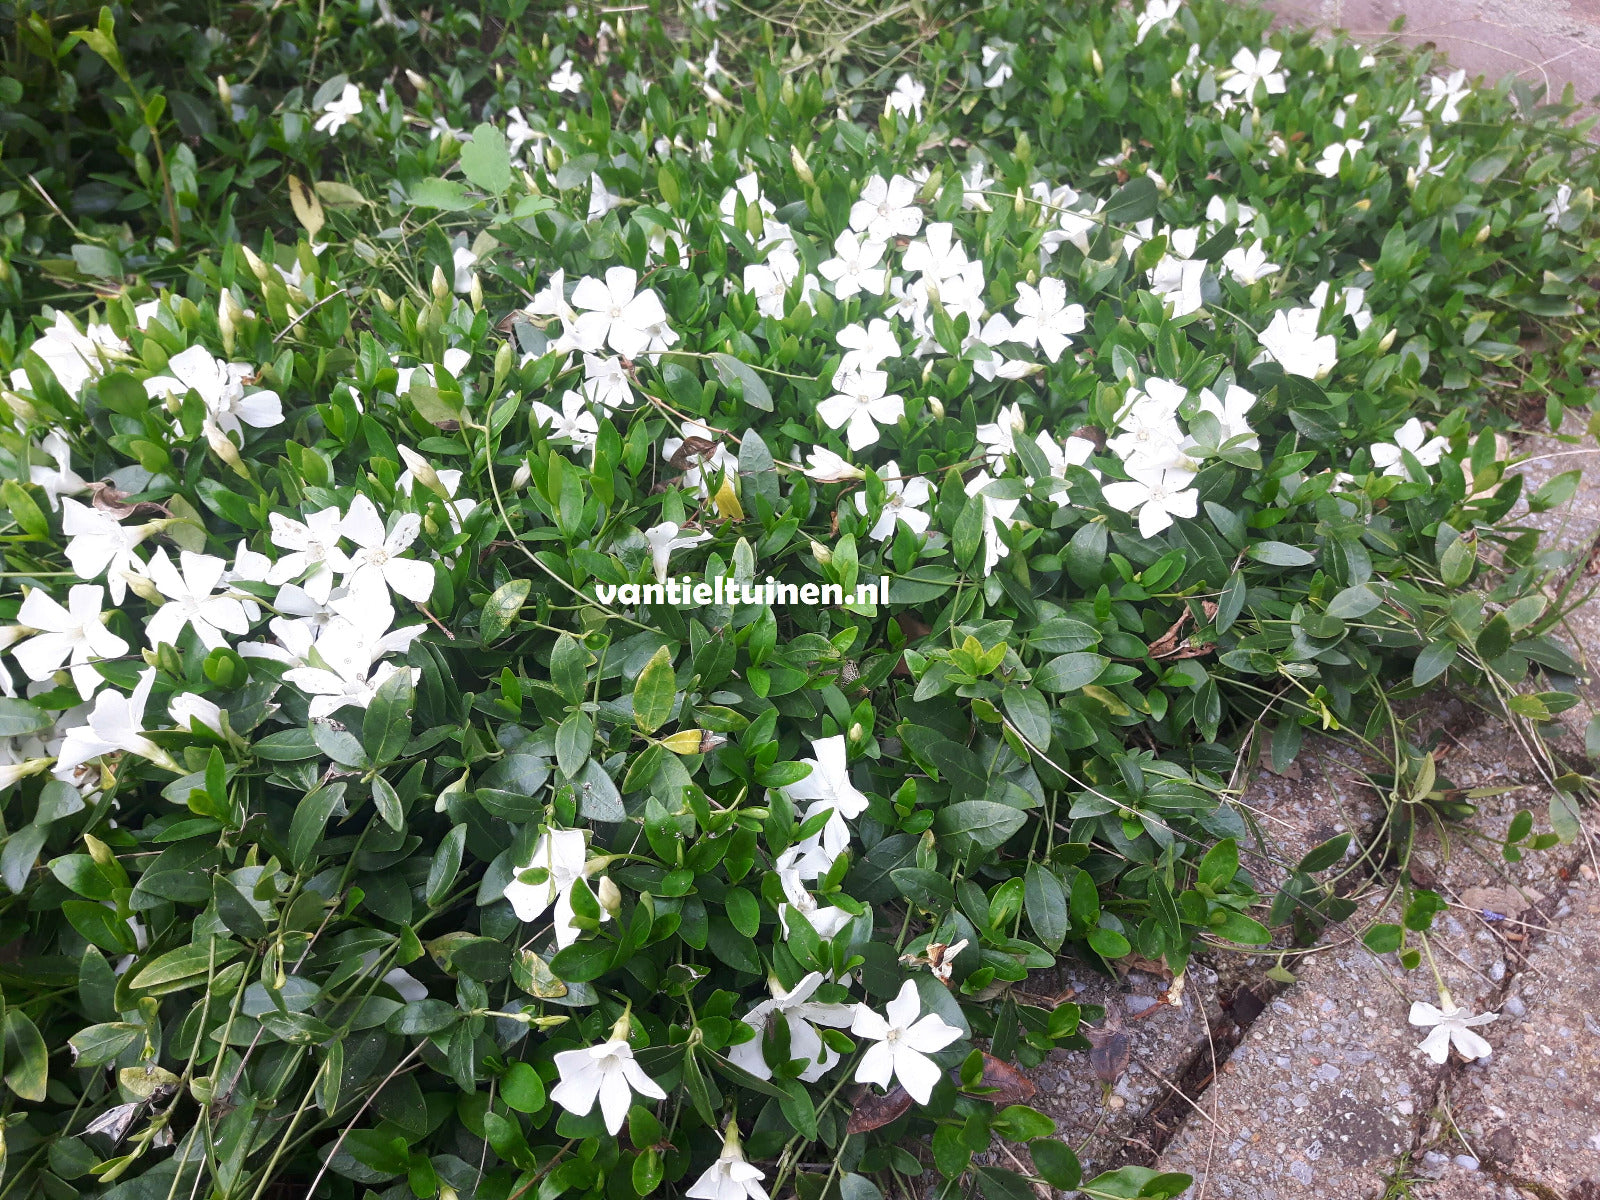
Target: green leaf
<point>446,864</point>
<point>1280,554</point>
<point>731,369</point>
<point>1354,602</point>
<point>439,193</point>
<point>1069,672</point>
<point>1556,491</point>
<point>1045,900</point>
<point>1220,865</point>
<point>569,664</point>
<point>387,801</point>
<point>1231,603</point>
<point>978,824</point>
<point>502,609</point>
<point>1564,818</point>
<point>1432,662</point>
<point>235,909</point>
<point>1019,1123</point>
<point>26,1059</point>
<point>574,739</point>
<point>100,926</point>
<point>97,1045</point>
<point>387,727</point>
<point>927,888</point>
<point>1029,713</point>
<point>522,1089</point>
<point>1134,201</point>
<point>1382,939</point>
<point>1495,639</point>
<point>310,819</point>
<point>1236,927</point>
<point>1457,561</point>
<point>655,692</point>
<point>1056,1163</point>
<point>485,160</point>
<point>183,965</point>
<point>1320,858</point>
<point>18,718</point>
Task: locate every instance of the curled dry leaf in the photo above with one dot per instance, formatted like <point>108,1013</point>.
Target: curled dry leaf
<point>873,1110</point>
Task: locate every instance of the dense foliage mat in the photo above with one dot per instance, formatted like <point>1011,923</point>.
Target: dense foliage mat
<point>588,589</point>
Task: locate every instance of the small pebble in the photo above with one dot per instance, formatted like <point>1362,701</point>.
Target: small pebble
<point>1515,1006</point>
<point>1497,970</point>
<point>1466,1162</point>
<point>1432,1158</point>
<point>1117,1102</point>
<point>1139,1004</point>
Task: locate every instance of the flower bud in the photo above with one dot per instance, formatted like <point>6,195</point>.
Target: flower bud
<point>1388,340</point>
<point>521,479</point>
<point>609,895</point>
<point>385,301</point>
<point>502,363</point>
<point>1019,206</point>
<point>801,167</point>
<point>821,553</point>
<point>225,322</point>
<point>1482,235</point>
<point>143,588</point>
<point>257,268</point>
<point>440,285</point>
<point>1177,89</point>
<point>224,92</point>
<point>936,407</point>
<point>476,294</point>
<point>451,792</point>
<point>1094,58</point>
<point>222,446</point>
<point>856,731</point>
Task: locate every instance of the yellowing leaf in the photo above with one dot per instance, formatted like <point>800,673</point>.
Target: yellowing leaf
<point>727,500</point>
<point>685,741</point>
<point>307,208</point>
<point>337,195</point>
<point>1108,698</point>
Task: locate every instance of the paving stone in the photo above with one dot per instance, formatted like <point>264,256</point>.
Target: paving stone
<point>1550,42</point>
<point>1162,1040</point>
<point>1532,1111</point>
<point>1326,1093</point>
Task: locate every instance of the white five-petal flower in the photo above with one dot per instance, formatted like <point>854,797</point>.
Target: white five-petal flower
<point>802,1014</point>
<point>904,1038</point>
<point>1451,1026</point>
<point>76,633</point>
<point>378,553</point>
<point>192,600</point>
<point>606,1073</point>
<point>861,406</point>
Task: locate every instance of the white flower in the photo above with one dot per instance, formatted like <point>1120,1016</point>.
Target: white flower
<point>631,323</point>
<point>464,260</point>
<point>902,502</point>
<point>190,589</point>
<point>854,267</point>
<point>565,79</point>
<point>1354,300</point>
<point>115,723</point>
<point>77,633</point>
<point>1150,438</point>
<point>1555,210</point>
<point>221,387</point>
<point>663,539</point>
<point>1230,411</point>
<point>1450,1025</point>
<point>887,209</point>
<point>1254,68</point>
<point>1154,13</point>
<point>100,544</point>
<point>1229,211</point>
<point>519,132</point>
<point>606,383</point>
<point>73,358</point>
<point>60,481</point>
<point>802,1015</point>
<point>907,98</point>
<point>601,199</point>
<point>827,920</point>
<point>1450,92</point>
<point>904,1040</point>
<point>1045,318</point>
<point>999,437</point>
<point>340,111</point>
<point>348,648</point>
<point>562,855</point>
<point>1177,279</point>
<point>865,348</point>
<point>730,1177</point>
<point>314,551</point>
<point>1002,72</point>
<point>828,467</point>
<point>769,282</point>
<point>605,1072</point>
<point>829,782</point>
<point>1291,340</point>
<point>704,466</point>
<point>975,182</point>
<point>1159,494</point>
<point>860,406</point>
<point>194,713</point>
<point>1247,264</point>
<point>378,554</point>
<point>1412,437</point>
<point>1334,155</point>
<point>551,300</point>
<point>997,514</point>
<point>574,422</point>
